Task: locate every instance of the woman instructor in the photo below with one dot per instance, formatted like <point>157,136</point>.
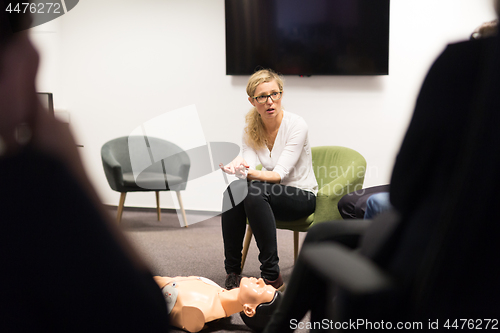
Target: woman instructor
<point>285,188</point>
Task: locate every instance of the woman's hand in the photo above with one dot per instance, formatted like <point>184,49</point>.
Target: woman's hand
<point>238,167</point>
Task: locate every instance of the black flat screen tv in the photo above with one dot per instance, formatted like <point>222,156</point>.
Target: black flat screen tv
<point>307,37</point>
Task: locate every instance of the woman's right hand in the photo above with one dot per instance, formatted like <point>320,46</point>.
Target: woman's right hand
<point>238,167</point>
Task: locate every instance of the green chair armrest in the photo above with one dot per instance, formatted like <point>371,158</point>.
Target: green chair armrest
<point>330,194</point>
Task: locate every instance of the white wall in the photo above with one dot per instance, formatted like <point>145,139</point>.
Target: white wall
<point>115,64</point>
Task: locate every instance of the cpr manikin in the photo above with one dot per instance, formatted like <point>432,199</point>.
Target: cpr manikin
<point>193,301</point>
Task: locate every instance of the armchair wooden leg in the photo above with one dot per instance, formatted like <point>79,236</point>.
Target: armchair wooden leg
<point>246,245</point>
<point>120,207</point>
<point>182,208</point>
<point>295,246</point>
<point>158,209</point>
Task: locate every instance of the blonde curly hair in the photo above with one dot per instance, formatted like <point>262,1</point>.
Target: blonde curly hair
<point>255,130</point>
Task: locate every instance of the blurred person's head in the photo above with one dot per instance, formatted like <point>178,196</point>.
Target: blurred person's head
<point>487,29</point>
<point>11,21</point>
<point>18,68</point>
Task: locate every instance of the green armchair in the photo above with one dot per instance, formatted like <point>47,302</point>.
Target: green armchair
<point>338,171</point>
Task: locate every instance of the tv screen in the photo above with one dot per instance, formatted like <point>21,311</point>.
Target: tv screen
<point>307,37</point>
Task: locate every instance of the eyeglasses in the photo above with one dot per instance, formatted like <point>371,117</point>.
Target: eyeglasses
<point>274,97</point>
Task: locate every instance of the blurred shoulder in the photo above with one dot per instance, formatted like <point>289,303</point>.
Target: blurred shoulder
<point>467,52</point>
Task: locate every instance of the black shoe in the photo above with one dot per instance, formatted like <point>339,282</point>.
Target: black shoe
<point>278,284</point>
<point>232,281</point>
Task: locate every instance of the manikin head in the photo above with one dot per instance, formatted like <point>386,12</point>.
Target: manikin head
<point>257,315</point>
<point>254,292</point>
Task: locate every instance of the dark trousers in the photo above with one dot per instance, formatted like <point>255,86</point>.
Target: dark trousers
<point>306,290</point>
<point>261,203</point>
<point>353,205</point>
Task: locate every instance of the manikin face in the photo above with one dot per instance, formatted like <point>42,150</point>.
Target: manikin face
<point>270,109</point>
<point>254,292</point>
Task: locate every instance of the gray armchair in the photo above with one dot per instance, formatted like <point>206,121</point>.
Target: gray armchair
<point>144,164</point>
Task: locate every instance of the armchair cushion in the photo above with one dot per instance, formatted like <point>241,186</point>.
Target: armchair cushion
<point>338,171</point>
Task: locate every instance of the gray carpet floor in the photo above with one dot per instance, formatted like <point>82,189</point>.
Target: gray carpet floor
<point>197,250</point>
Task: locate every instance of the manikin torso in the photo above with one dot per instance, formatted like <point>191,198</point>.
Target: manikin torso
<point>197,302</point>
<point>194,301</point>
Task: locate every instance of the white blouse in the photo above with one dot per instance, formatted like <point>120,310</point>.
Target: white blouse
<point>290,156</point>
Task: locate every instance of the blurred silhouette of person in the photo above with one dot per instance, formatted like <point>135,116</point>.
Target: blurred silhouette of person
<point>443,252</point>
<point>357,203</point>
<point>65,266</point>
<point>307,290</point>
<point>445,246</point>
